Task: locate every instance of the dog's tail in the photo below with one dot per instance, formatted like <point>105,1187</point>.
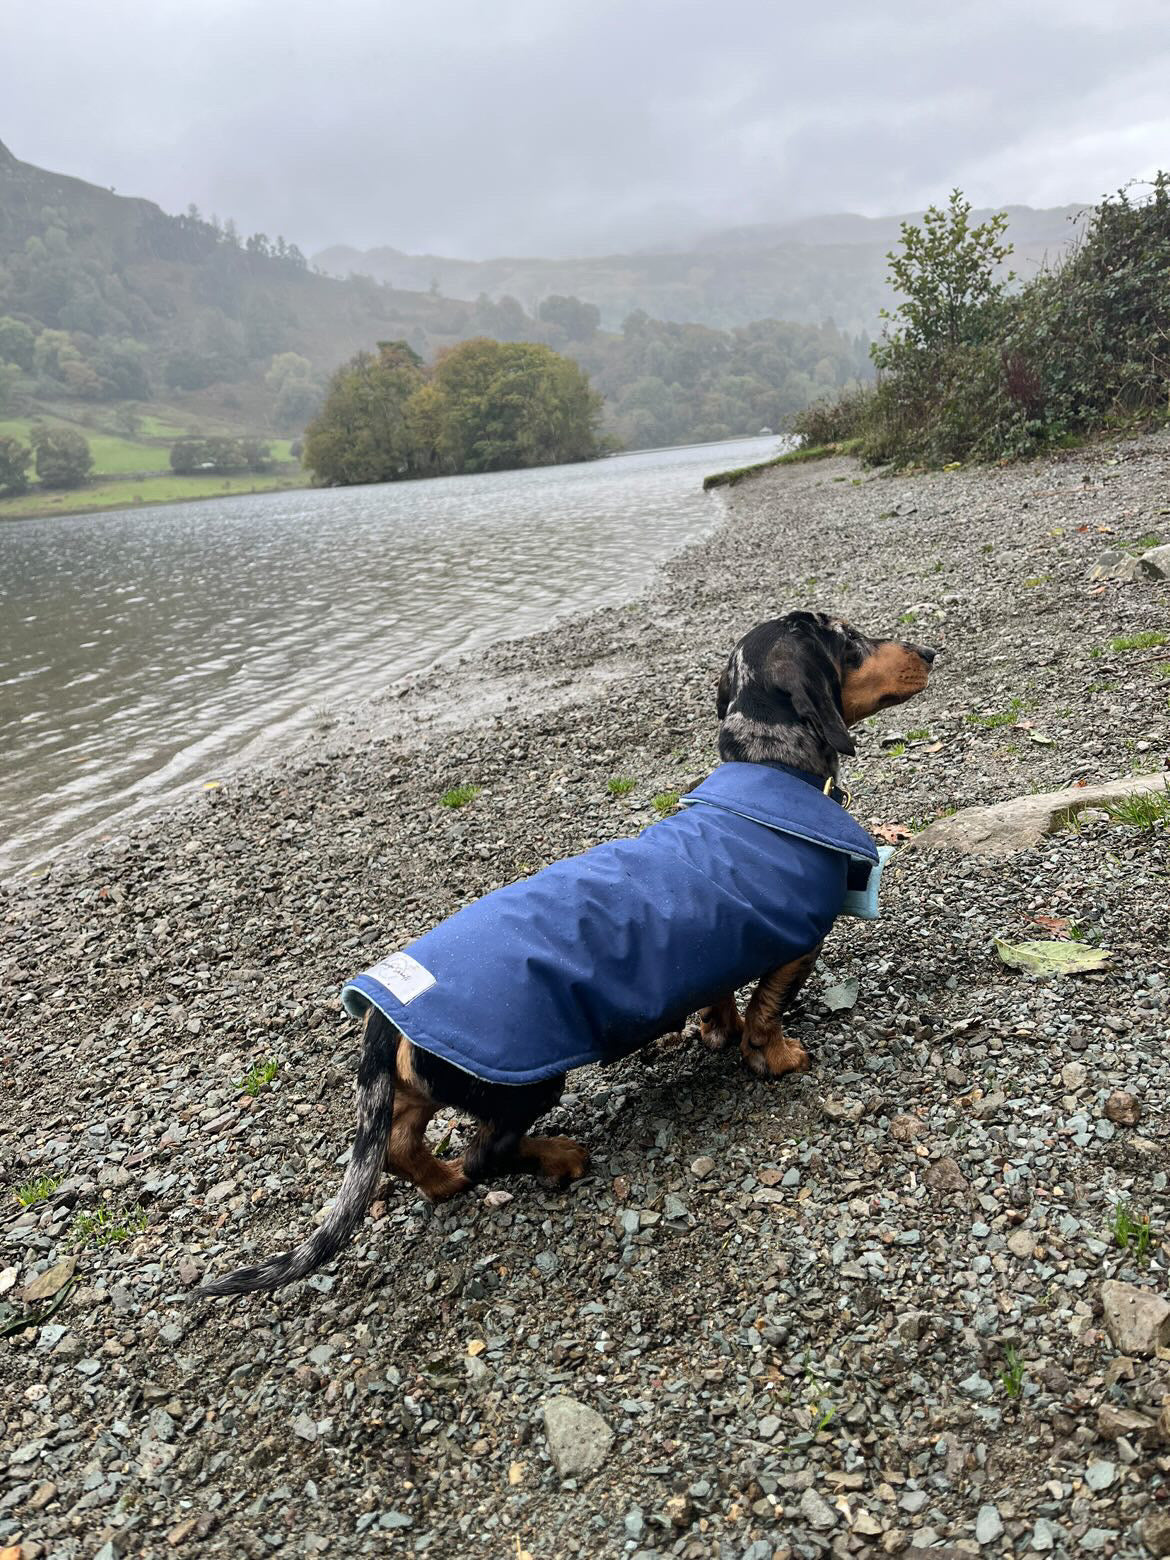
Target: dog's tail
<point>376,1076</point>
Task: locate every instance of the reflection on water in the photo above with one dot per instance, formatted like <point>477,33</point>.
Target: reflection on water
<point>141,650</point>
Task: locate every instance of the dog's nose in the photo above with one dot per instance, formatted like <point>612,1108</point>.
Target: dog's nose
<point>926,653</point>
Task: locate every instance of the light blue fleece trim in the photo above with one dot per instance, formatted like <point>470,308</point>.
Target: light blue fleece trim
<point>863,902</point>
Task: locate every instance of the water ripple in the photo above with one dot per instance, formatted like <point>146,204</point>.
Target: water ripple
<point>140,650</point>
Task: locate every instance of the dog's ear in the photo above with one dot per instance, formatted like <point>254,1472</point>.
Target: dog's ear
<point>723,692</point>
<point>804,670</point>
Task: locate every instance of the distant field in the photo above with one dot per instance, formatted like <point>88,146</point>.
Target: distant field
<point>119,455</point>
<point>131,494</point>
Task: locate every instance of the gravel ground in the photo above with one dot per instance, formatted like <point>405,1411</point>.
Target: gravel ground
<point>859,1311</point>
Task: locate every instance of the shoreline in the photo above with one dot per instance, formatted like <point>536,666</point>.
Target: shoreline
<point>765,1291</point>
<point>278,485</point>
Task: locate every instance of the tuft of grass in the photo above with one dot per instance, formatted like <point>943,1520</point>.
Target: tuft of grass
<point>257,1076</point>
<point>792,458</point>
<point>107,1226</point>
<point>38,1191</point>
<point>919,734</point>
<point>1148,639</point>
<point>620,785</point>
<point>459,795</point>
<point>1160,669</point>
<point>665,802</point>
<point>895,750</point>
<point>1012,1375</point>
<point>1142,810</point>
<point>1131,1231</point>
<point>991,722</point>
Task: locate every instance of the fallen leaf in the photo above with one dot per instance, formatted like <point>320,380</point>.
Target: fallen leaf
<point>46,1284</point>
<point>933,747</point>
<point>1058,925</point>
<point>212,785</point>
<point>476,1347</point>
<point>840,997</point>
<point>515,1473</point>
<point>890,833</point>
<point>1052,958</point>
<point>1041,740</point>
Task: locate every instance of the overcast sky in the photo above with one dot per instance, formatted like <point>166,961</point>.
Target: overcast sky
<point>486,127</point>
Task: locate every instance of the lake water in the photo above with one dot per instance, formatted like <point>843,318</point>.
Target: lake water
<point>142,651</point>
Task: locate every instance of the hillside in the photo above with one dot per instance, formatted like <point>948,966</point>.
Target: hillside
<point>116,318</point>
<point>830,267</point>
<point>176,306</point>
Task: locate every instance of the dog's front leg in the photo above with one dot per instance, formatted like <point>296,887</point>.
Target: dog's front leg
<point>720,1023</point>
<point>766,1049</point>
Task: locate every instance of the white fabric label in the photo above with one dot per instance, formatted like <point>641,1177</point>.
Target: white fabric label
<point>403,976</point>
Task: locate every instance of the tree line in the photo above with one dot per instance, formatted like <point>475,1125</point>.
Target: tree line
<point>482,406</point>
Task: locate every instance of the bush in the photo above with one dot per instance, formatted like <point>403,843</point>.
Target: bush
<point>1083,346</point>
<point>64,458</point>
<point>218,456</point>
<point>833,421</point>
<point>14,463</point>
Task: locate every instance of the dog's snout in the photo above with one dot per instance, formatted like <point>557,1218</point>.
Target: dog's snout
<point>927,653</point>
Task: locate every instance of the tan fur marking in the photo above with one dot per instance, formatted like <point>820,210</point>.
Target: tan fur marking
<point>558,1158</point>
<point>766,1049</point>
<point>408,1153</point>
<point>891,675</point>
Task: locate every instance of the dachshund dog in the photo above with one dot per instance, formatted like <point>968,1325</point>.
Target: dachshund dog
<point>596,956</point>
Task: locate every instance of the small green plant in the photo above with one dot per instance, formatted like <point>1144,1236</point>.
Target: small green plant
<point>1037,579</point>
<point>1160,669</point>
<point>107,1226</point>
<point>1131,1231</point>
<point>33,1192</point>
<point>1012,1375</point>
<point>908,617</point>
<point>919,734</point>
<point>459,795</point>
<point>896,750</point>
<point>1148,639</point>
<point>620,785</point>
<point>1144,543</point>
<point>665,802</point>
<point>1142,810</point>
<point>999,718</point>
<point>257,1076</point>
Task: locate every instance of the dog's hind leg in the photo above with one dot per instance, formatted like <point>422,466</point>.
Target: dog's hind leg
<point>720,1023</point>
<point>408,1153</point>
<point>766,1049</point>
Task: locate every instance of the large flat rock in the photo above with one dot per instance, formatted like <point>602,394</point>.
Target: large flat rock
<point>1019,824</point>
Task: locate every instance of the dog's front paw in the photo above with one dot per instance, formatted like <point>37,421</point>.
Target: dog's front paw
<point>561,1158</point>
<point>777,1056</point>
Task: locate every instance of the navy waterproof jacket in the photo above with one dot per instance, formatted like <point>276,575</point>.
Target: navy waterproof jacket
<point>594,956</point>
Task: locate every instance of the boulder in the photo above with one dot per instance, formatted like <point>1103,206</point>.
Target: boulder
<point>1005,828</point>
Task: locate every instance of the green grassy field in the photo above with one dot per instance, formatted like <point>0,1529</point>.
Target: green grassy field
<point>122,456</point>
<point>123,494</point>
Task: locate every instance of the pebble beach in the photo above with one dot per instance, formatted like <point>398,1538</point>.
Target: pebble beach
<point>884,1308</point>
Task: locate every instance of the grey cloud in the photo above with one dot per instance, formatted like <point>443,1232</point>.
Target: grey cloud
<point>565,127</point>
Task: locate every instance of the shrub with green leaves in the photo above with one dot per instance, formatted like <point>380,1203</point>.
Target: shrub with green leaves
<point>969,369</point>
